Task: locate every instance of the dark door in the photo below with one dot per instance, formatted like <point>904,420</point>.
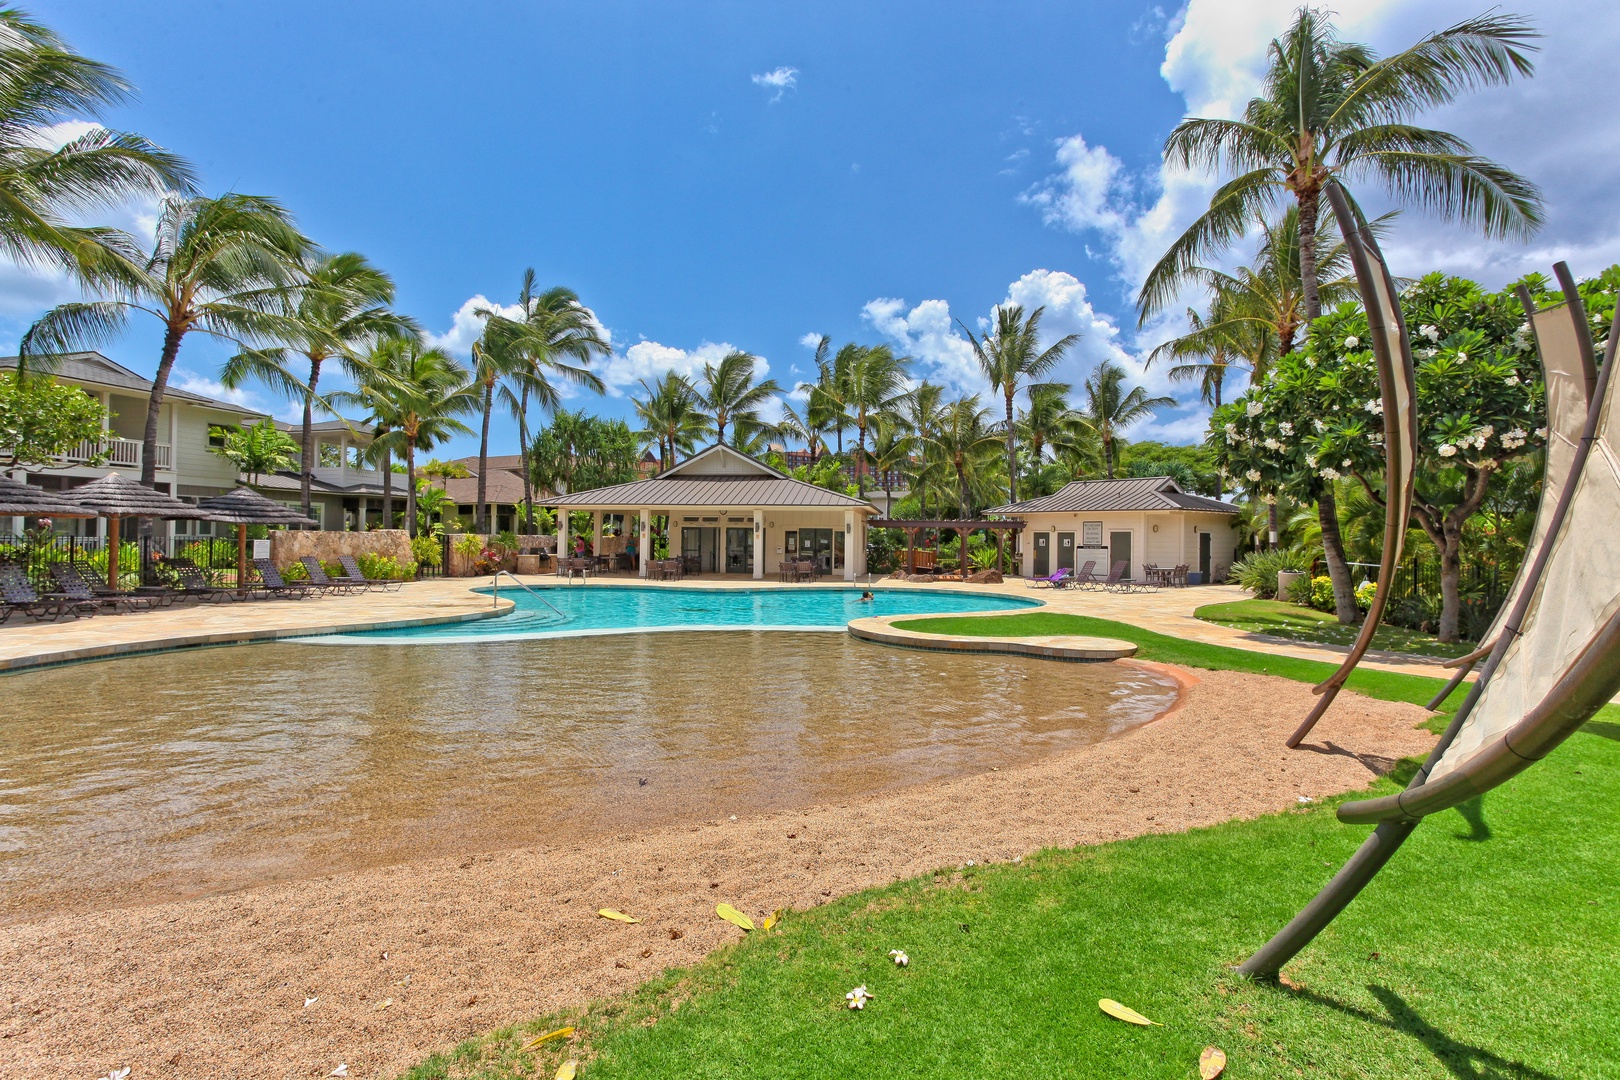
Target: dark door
<point>1204,560</point>
<point>739,551</point>
<point>1043,554</point>
<point>1065,551</point>
<point>698,549</point>
<point>1119,551</point>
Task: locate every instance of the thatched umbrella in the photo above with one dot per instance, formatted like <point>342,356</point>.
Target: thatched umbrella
<point>18,499</point>
<point>115,497</point>
<point>245,507</point>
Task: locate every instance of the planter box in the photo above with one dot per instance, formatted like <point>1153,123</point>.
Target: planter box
<point>529,564</point>
<point>1286,578</point>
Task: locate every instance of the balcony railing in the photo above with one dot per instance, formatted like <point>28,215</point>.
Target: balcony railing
<point>125,453</point>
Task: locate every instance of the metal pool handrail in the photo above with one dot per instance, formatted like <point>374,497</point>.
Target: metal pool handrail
<point>495,591</point>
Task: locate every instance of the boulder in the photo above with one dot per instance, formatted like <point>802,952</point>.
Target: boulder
<point>991,576</point>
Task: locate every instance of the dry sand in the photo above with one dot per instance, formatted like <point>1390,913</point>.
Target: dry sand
<point>216,986</point>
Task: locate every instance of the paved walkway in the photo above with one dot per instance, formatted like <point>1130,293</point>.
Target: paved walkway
<point>24,644</point>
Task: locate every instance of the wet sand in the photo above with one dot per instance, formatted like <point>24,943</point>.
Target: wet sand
<point>216,985</point>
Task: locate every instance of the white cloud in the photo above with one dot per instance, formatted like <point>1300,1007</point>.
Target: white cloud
<point>778,81</point>
<point>194,383</point>
<point>1091,192</point>
<point>650,360</point>
<point>467,325</point>
<point>810,340</point>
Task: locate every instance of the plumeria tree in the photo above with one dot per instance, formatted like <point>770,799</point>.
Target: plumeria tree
<point>1480,403</point>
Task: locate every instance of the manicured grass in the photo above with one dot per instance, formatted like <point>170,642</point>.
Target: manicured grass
<point>1286,620</point>
<point>1484,950</point>
<point>1386,686</point>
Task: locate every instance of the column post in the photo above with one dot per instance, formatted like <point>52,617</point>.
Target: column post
<point>849,545</point>
<point>759,544</point>
<point>644,542</point>
<point>562,535</point>
<point>596,532</point>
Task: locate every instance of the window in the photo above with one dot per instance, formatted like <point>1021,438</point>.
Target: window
<point>216,437</point>
<point>330,456</point>
<point>351,456</point>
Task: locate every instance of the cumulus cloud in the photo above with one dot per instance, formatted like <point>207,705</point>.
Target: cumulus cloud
<point>650,360</point>
<point>194,383</point>
<point>778,81</point>
<point>810,340</point>
<point>467,325</point>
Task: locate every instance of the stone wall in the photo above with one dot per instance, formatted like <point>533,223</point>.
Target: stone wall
<point>288,545</point>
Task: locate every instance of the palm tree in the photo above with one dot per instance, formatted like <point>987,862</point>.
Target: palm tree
<point>732,397</point>
<point>892,447</point>
<point>874,381</point>
<point>554,327</point>
<point>340,310</point>
<point>255,449</point>
<point>824,407</point>
<point>1110,408</point>
<point>1048,421</point>
<point>1331,111</point>
<point>1010,358</point>
<point>43,82</point>
<point>414,395</point>
<point>671,418</point>
<point>224,267</point>
<point>963,445</point>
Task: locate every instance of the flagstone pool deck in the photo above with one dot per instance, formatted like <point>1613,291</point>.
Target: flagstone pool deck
<point>447,600</point>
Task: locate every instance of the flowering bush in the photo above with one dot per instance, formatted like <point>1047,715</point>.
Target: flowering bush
<point>1322,593</point>
<point>1365,593</point>
<point>385,567</point>
<point>427,551</point>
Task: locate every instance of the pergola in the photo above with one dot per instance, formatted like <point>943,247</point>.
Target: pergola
<point>912,526</point>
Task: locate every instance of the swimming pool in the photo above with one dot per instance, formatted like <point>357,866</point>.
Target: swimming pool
<point>569,611</point>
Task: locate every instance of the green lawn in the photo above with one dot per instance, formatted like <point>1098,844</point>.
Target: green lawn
<point>1286,620</point>
<point>1485,949</point>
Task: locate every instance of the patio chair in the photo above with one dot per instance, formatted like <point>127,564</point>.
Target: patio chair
<point>71,585</point>
<point>1055,580</point>
<point>324,581</point>
<point>582,567</point>
<point>1086,575</point>
<point>152,596</point>
<point>1116,580</point>
<point>356,576</point>
<point>672,569</point>
<point>193,584</point>
<point>1178,577</point>
<point>271,583</point>
<point>19,596</point>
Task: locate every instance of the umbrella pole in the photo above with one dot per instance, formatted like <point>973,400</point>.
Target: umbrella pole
<point>112,551</point>
<point>241,557</point>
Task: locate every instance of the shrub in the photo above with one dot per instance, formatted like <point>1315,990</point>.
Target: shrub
<point>1364,594</point>
<point>1299,591</point>
<point>129,564</point>
<point>469,546</point>
<point>1258,572</point>
<point>1322,594</point>
<point>294,571</point>
<point>427,551</point>
<point>386,567</point>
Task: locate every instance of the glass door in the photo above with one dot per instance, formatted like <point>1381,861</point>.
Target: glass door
<point>739,551</point>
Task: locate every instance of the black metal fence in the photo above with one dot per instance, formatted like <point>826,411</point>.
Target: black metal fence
<point>1415,596</point>
<point>140,559</point>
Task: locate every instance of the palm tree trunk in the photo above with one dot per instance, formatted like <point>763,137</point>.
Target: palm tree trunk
<point>306,444</point>
<point>1012,453</point>
<point>1271,526</point>
<point>388,488</point>
<point>481,516</point>
<point>523,457</point>
<point>860,460</point>
<point>410,487</point>
<point>1308,208</point>
<point>172,336</point>
<point>1344,592</point>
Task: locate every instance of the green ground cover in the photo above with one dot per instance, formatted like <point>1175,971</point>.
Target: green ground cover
<point>1297,623</point>
<point>1483,951</point>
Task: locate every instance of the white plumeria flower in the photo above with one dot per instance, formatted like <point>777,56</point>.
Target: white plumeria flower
<point>1430,332</point>
<point>1329,474</point>
<point>858,997</point>
<point>1447,450</point>
<point>1318,425</point>
<point>1256,408</point>
<point>1268,499</point>
<point>1286,427</point>
<point>1352,342</point>
<point>116,1074</point>
<point>1541,433</point>
<point>899,957</point>
<point>1346,463</point>
<point>1271,444</point>
<point>1253,475</point>
<point>1231,429</point>
<point>1310,459</point>
<point>1512,380</point>
<point>1374,406</point>
<point>341,1070</point>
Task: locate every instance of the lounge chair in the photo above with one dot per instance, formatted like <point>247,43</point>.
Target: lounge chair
<point>271,583</point>
<point>1086,575</point>
<point>72,585</point>
<point>18,595</point>
<point>192,583</point>
<point>356,576</point>
<point>324,581</point>
<point>151,595</point>
<point>1055,580</point>
<point>1116,580</point>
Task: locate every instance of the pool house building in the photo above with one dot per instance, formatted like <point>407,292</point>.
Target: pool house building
<point>726,513</point>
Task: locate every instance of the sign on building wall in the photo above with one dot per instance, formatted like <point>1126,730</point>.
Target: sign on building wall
<point>1091,534</point>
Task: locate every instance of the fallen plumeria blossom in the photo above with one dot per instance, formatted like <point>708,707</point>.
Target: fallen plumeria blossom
<point>116,1074</point>
<point>310,1001</point>
<point>899,957</point>
<point>858,997</point>
<point>341,1070</point>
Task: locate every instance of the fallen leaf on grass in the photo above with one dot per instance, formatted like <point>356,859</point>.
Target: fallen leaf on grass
<point>1211,1063</point>
<point>733,916</point>
<point>617,916</point>
<point>1125,1013</point>
<point>560,1033</point>
<point>567,1069</point>
<point>773,918</point>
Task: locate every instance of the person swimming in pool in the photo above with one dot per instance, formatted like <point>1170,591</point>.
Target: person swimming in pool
<point>867,597</point>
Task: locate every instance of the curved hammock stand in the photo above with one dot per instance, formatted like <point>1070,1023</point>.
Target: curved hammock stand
<point>1555,657</point>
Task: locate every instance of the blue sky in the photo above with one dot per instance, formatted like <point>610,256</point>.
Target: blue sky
<point>741,175</point>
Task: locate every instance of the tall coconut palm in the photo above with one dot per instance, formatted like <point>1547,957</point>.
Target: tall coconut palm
<point>963,446</point>
<point>43,82</point>
<point>1011,357</point>
<point>731,397</point>
<point>892,449</point>
<point>1110,408</point>
<point>824,404</point>
<point>523,354</point>
<point>1047,421</point>
<point>342,308</point>
<point>1333,110</point>
<point>414,395</point>
<point>874,382</point>
<point>224,267</point>
<point>671,418</point>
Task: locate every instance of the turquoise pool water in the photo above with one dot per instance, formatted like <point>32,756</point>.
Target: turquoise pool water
<point>619,609</point>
